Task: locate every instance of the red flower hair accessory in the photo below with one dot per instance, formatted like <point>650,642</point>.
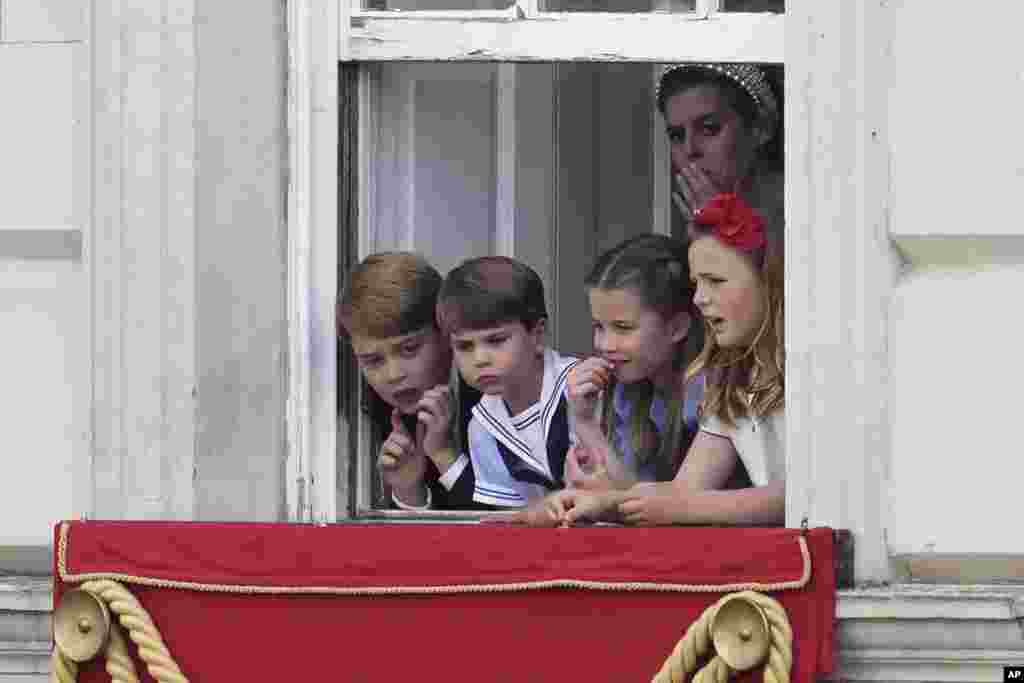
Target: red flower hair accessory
<point>733,221</point>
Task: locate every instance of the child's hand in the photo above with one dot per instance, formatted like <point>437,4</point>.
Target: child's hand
<point>648,506</point>
<point>402,465</point>
<point>585,388</point>
<point>433,413</point>
<point>585,470</point>
<point>588,505</point>
<point>548,512</point>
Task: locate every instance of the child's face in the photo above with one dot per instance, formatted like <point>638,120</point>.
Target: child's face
<point>496,359</point>
<point>729,292</point>
<point>401,368</point>
<point>638,341</point>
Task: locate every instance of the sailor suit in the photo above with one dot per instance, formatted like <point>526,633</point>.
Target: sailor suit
<point>518,458</point>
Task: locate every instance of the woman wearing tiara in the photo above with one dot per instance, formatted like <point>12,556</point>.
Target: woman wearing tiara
<point>721,121</point>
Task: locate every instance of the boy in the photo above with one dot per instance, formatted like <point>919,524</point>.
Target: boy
<point>493,310</point>
<point>387,312</point>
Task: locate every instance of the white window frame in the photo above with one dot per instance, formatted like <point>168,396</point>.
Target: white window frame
<point>837,280</point>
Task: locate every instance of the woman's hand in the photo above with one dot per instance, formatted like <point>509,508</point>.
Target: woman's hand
<point>402,465</point>
<point>697,186</point>
<point>585,388</point>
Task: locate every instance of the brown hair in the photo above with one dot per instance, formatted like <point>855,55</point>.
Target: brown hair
<point>758,371</point>
<point>656,269</point>
<point>489,291</point>
<point>725,79</point>
<point>389,294</point>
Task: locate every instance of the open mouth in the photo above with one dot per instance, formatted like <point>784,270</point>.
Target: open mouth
<point>407,395</point>
<point>617,363</point>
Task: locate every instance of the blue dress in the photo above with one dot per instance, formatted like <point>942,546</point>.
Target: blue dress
<point>622,416</point>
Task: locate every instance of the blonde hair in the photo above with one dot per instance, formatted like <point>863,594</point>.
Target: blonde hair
<point>750,381</point>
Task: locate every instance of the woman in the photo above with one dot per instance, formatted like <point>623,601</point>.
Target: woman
<point>722,122</point>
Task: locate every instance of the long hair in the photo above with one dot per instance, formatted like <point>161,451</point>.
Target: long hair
<point>751,381</point>
<point>655,268</point>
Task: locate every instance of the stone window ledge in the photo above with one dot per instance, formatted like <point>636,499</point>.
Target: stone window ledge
<point>25,606</point>
<point>929,632</point>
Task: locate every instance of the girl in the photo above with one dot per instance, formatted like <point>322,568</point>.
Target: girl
<point>640,301</point>
<point>387,311</point>
<point>736,263</point>
<point>722,121</point>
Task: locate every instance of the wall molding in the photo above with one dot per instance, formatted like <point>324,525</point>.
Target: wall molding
<point>311,466</point>
<point>840,271</point>
<point>25,606</point>
<point>140,252</point>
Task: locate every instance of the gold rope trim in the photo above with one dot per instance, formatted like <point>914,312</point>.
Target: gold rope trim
<point>62,668</point>
<point>68,577</point>
<point>134,618</point>
<point>697,643</point>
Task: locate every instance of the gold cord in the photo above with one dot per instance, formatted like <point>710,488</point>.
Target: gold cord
<point>62,668</point>
<point>696,644</point>
<point>142,631</point>
<point>627,586</point>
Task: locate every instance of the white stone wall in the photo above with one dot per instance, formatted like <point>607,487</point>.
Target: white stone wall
<point>142,269</point>
<point>956,323</point>
<point>180,262</point>
<point>44,345</point>
<point>142,262</point>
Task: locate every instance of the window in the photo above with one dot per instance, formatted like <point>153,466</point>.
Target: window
<point>837,164</point>
<point>551,158</point>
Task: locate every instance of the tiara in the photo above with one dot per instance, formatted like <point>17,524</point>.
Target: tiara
<point>748,76</point>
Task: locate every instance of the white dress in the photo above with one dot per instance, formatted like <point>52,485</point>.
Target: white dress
<point>760,443</point>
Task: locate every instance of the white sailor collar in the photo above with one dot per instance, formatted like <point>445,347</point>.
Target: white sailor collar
<point>492,413</point>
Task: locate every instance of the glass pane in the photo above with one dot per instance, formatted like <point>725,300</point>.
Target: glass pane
<point>778,6</point>
<point>553,163</point>
<point>618,5</point>
<point>436,159</point>
<point>434,5</point>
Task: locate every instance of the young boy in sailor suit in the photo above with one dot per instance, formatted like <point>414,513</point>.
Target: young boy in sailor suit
<point>493,309</point>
